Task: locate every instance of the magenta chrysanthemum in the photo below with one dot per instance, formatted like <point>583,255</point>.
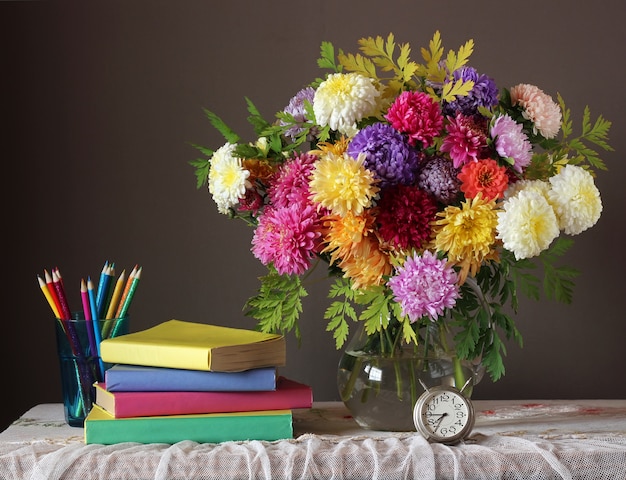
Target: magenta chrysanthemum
<point>466,139</point>
<point>287,238</point>
<point>405,215</point>
<point>291,182</point>
<point>417,115</point>
<point>424,286</point>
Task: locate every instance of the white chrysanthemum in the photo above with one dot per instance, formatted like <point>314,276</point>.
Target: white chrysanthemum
<point>527,223</point>
<point>343,99</point>
<point>227,178</point>
<point>576,199</point>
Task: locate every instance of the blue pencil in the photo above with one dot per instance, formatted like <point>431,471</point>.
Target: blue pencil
<point>103,289</point>
<point>96,325</point>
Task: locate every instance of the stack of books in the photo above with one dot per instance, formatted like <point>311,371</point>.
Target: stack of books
<point>190,381</point>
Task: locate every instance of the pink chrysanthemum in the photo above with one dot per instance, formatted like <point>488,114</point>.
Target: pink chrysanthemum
<point>405,216</point>
<point>417,115</point>
<point>539,108</point>
<point>466,139</point>
<point>511,142</point>
<point>424,286</point>
<point>287,238</point>
<point>291,182</point>
<point>484,176</point>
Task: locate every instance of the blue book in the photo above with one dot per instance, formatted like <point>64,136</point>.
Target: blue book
<point>138,378</point>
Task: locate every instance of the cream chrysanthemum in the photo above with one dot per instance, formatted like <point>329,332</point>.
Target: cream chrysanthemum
<point>342,184</point>
<point>227,178</point>
<point>516,187</point>
<point>576,199</point>
<point>527,223</point>
<point>343,99</point>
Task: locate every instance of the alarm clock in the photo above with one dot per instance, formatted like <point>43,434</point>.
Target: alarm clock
<point>444,414</point>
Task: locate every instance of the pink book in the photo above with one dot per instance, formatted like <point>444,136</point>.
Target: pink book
<point>289,394</point>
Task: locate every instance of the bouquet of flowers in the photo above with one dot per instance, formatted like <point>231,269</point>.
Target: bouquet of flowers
<point>416,185</point>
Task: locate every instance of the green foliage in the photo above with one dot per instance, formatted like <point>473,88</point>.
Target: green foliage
<point>278,304</point>
<point>327,58</point>
<point>221,127</point>
<point>339,312</point>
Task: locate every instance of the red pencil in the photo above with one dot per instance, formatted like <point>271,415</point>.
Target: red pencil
<point>66,314</point>
<point>53,292</point>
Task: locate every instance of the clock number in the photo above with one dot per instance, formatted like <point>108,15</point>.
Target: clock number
<point>460,414</point>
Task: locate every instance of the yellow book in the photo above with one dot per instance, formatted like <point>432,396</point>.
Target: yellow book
<point>196,346</point>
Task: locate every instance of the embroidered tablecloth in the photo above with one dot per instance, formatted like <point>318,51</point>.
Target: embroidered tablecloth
<point>553,439</point>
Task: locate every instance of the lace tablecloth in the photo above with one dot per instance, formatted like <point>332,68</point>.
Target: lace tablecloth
<point>511,439</point>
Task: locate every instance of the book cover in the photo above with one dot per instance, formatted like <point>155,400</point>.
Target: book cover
<point>140,378</point>
<point>288,395</point>
<point>103,428</point>
<point>196,346</point>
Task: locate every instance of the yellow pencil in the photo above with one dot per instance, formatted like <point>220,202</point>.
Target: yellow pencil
<point>117,293</point>
<point>46,292</point>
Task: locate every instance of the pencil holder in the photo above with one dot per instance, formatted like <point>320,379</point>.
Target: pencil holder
<point>79,361</point>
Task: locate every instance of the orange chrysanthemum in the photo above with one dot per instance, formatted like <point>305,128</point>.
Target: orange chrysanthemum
<point>483,176</point>
<point>354,247</point>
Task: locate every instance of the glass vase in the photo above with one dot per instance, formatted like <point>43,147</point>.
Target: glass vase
<point>380,386</point>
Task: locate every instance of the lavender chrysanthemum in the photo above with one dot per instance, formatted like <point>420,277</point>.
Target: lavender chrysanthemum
<point>424,285</point>
<point>297,110</point>
<point>483,94</point>
<point>387,154</point>
<point>511,141</point>
<point>439,177</point>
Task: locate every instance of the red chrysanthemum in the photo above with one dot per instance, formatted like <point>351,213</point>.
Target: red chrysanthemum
<point>466,139</point>
<point>484,176</point>
<point>405,216</point>
<point>417,115</point>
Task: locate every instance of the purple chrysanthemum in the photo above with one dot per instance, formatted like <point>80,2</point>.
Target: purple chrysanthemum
<point>511,141</point>
<point>387,154</point>
<point>483,94</point>
<point>439,178</point>
<point>424,285</point>
<point>296,108</point>
<point>287,238</point>
<point>291,183</point>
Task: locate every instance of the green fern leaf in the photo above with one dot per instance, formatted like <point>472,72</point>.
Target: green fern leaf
<point>221,127</point>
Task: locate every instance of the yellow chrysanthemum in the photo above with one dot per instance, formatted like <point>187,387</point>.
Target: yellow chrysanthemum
<point>342,184</point>
<point>467,234</point>
<point>337,148</point>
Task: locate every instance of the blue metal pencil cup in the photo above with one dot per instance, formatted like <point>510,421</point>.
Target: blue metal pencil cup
<point>79,362</point>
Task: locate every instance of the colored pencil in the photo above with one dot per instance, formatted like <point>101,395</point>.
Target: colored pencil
<point>119,285</point>
<point>52,291</point>
<point>84,295</point>
<point>48,295</point>
<point>96,326</point>
<point>60,292</point>
<point>131,292</point>
<point>129,282</point>
<point>101,292</point>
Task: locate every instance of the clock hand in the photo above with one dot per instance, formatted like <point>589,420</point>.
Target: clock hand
<point>438,422</point>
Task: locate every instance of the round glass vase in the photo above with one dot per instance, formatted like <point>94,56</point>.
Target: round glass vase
<point>381,389</point>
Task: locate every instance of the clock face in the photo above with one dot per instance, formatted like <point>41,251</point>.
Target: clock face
<point>443,414</point>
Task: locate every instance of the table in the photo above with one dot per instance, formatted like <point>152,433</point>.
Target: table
<point>552,439</point>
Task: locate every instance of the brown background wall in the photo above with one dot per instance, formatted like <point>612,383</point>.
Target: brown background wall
<point>100,103</point>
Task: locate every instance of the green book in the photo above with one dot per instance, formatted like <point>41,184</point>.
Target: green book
<point>103,428</point>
